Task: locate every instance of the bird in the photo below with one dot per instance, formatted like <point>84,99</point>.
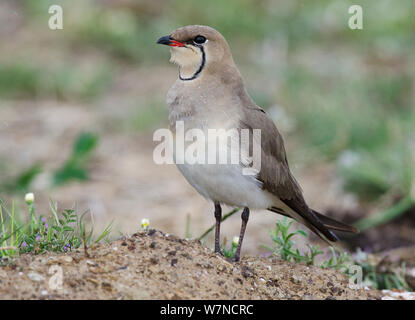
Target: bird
<point>210,94</point>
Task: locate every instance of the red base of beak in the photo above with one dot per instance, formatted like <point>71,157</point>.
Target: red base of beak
<point>174,43</point>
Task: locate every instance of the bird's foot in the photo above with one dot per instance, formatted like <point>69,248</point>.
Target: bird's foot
<point>219,252</point>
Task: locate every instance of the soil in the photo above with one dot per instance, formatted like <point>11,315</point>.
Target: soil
<point>155,265</point>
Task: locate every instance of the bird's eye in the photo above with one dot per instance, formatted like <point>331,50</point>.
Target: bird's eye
<point>199,39</point>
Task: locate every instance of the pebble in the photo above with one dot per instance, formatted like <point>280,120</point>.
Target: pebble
<point>296,279</point>
<point>51,260</point>
<point>35,276</point>
<point>221,268</point>
<point>67,259</point>
<point>33,266</point>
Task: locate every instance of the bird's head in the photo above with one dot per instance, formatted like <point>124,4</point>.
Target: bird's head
<point>197,49</point>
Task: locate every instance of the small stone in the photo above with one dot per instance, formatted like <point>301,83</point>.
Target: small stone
<point>296,279</point>
<point>247,272</point>
<point>3,274</point>
<point>33,266</point>
<point>52,260</point>
<point>44,292</point>
<point>35,276</point>
<point>187,256</point>
<point>91,263</point>
<point>221,268</point>
<point>106,286</point>
<point>67,259</point>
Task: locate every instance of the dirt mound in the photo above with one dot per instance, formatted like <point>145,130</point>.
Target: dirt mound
<point>154,265</point>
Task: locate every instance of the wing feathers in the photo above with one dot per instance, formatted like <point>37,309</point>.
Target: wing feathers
<point>334,224</point>
<point>277,178</point>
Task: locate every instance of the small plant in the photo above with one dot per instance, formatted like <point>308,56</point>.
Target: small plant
<point>373,275</point>
<point>380,278</point>
<point>229,253</point>
<point>283,244</point>
<point>57,233</point>
<point>145,223</point>
<point>337,261</point>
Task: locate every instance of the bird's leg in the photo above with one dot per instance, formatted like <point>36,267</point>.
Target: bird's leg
<point>245,217</point>
<point>218,216</point>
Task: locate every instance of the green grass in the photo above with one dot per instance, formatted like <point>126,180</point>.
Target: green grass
<point>379,278</point>
<point>283,244</point>
<point>284,247</point>
<point>39,234</point>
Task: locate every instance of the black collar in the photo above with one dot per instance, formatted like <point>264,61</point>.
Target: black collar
<point>199,70</point>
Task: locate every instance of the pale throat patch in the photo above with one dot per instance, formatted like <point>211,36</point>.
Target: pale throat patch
<point>187,58</point>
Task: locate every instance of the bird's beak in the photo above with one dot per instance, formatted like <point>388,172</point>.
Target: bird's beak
<point>167,40</point>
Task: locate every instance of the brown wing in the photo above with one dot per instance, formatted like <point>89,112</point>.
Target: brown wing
<point>275,173</point>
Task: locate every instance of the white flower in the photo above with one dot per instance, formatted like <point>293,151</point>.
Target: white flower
<point>235,241</point>
<point>29,198</point>
<point>144,224</point>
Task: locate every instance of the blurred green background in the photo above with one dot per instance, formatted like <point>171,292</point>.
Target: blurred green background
<point>344,99</point>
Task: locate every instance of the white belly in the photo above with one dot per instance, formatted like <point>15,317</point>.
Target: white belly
<point>226,184</point>
<point>221,182</point>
